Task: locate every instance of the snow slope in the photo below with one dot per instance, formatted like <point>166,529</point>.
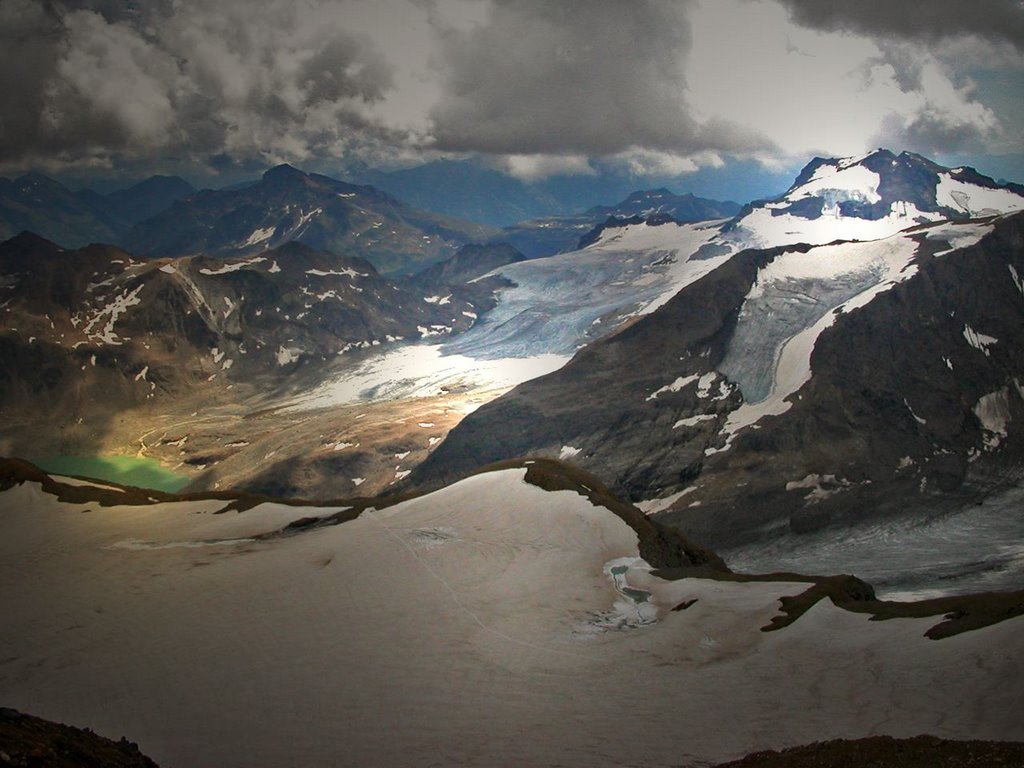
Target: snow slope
<point>489,623</point>
<point>798,296</point>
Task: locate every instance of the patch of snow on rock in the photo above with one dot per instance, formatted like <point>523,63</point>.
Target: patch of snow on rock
<point>287,355</point>
<point>979,341</point>
<point>238,265</point>
<point>675,386</point>
<point>693,421</point>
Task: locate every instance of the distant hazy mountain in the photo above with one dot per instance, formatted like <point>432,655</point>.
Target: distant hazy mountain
<point>466,190</point>
<point>39,204</point>
<point>684,208</point>
<point>469,263</point>
<point>286,205</point>
<point>469,189</point>
<point>138,202</point>
<point>559,234</point>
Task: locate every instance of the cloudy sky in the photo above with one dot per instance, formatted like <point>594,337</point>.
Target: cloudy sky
<point>537,87</point>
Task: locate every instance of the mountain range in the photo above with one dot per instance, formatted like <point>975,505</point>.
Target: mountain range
<point>46,207</point>
<point>792,387</point>
<point>287,204</point>
<point>92,332</point>
<point>580,498</point>
<point>711,337</point>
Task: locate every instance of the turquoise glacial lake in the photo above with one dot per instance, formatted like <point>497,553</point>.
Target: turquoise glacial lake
<point>126,470</point>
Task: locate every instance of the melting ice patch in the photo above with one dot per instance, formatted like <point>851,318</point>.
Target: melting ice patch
<point>112,313</point>
<point>260,235</point>
<point>650,506</point>
<point>632,608</point>
<point>693,421</point>
<point>958,235</point>
<point>347,272</point>
<point>1016,278</point>
<point>820,486</point>
<point>675,386</point>
<point>287,355</point>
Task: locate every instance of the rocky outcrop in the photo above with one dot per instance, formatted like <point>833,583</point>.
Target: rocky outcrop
<point>31,741</point>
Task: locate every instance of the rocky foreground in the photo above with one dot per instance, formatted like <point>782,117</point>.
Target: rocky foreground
<point>31,741</point>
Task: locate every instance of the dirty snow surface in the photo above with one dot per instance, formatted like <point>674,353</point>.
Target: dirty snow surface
<point>978,549</point>
<point>490,623</point>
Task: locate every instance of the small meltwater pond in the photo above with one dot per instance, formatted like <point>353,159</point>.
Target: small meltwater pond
<point>126,470</point>
<point>632,608</point>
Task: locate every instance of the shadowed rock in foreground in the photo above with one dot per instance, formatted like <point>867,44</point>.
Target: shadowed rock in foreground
<point>884,752</point>
<point>31,741</point>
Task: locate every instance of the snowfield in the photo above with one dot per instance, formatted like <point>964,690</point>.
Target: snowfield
<point>490,623</point>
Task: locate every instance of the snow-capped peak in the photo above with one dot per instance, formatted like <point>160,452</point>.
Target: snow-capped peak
<point>870,197</point>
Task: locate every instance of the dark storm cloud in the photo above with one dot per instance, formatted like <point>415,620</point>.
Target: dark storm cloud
<point>103,81</point>
<point>117,82</point>
<point>995,20</point>
<point>29,37</point>
<point>595,77</point>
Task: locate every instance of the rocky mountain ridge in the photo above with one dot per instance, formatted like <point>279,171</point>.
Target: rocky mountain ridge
<point>290,205</point>
<point>94,330</point>
<point>779,389</point>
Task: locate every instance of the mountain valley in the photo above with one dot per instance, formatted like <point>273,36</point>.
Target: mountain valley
<point>539,501</point>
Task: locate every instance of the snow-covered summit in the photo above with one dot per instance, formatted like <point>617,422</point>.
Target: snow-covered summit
<point>870,197</point>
